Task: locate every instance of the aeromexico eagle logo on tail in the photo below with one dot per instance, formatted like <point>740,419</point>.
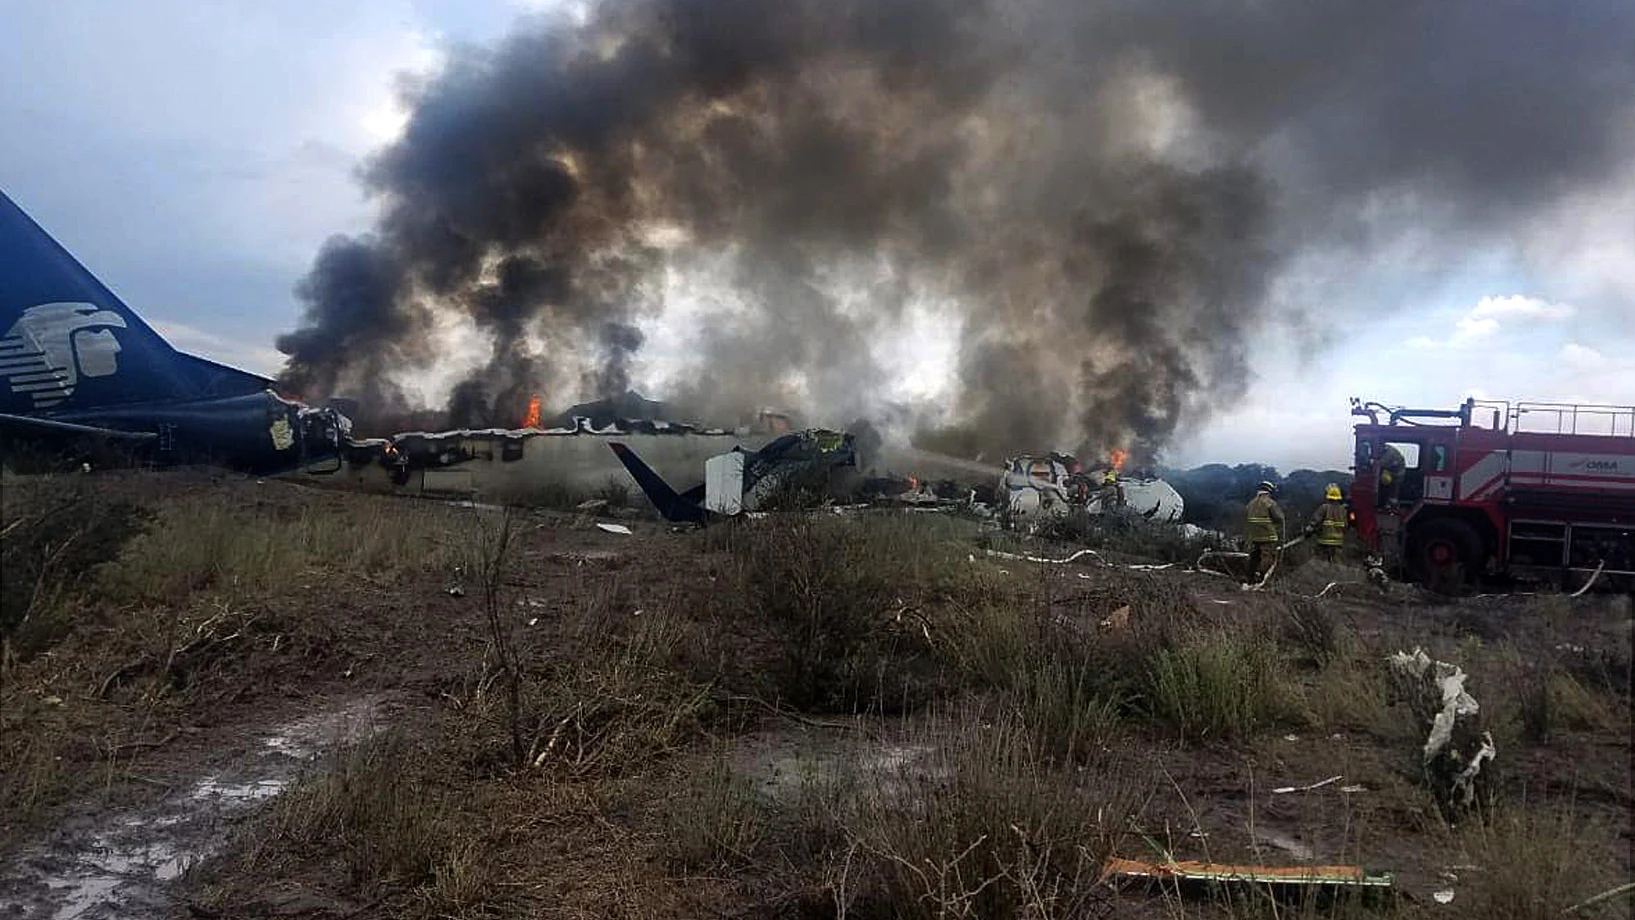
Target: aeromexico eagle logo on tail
<point>52,345</point>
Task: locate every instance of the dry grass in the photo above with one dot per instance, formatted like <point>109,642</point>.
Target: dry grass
<point>1015,705</point>
<point>372,812</point>
<point>54,535</point>
<point>984,826</point>
<point>206,544</point>
<point>1534,863</point>
<point>714,821</point>
<point>1351,694</point>
<point>151,604</point>
<point>851,606</point>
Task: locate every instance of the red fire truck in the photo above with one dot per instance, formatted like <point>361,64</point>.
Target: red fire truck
<point>1493,488</point>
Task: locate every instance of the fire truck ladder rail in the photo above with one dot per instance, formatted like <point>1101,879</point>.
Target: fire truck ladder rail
<point>1573,418</point>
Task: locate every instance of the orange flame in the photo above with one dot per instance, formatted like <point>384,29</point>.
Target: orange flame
<point>1117,457</point>
<point>531,420</point>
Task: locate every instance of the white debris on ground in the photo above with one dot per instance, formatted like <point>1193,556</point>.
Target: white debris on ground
<point>1439,687</point>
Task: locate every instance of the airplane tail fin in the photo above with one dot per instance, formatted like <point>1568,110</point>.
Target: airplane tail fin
<point>68,343</point>
<point>670,504</point>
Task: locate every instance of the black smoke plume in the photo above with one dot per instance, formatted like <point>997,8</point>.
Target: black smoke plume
<point>1098,194</point>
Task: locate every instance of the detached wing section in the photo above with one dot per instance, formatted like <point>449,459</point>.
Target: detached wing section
<point>683,507</point>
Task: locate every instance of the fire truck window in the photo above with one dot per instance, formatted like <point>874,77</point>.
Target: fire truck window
<point>1439,458</point>
<point>1410,453</point>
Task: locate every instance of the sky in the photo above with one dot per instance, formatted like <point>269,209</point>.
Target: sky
<point>195,156</point>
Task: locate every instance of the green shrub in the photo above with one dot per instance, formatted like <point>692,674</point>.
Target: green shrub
<point>1221,686</point>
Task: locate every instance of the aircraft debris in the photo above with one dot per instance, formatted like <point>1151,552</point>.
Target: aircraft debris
<point>1118,869</point>
<point>1285,790</point>
<point>614,528</point>
<point>801,466</point>
<point>1044,559</point>
<point>1033,488</point>
<point>1454,752</point>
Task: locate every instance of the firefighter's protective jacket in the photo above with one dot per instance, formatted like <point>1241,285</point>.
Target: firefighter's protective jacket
<point>1264,520</point>
<point>1329,522</point>
<point>1392,465</point>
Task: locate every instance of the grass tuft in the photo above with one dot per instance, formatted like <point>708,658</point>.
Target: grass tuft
<point>368,809</point>
<point>1225,686</point>
<point>984,827</point>
<point>713,821</point>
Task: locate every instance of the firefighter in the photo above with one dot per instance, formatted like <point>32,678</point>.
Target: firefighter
<point>1112,493</point>
<point>1392,468</point>
<point>1328,524</point>
<point>1264,528</point>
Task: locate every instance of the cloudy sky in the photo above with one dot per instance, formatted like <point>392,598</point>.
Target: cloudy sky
<point>196,154</point>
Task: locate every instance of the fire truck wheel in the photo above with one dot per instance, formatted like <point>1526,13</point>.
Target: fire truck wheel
<point>1446,552</point>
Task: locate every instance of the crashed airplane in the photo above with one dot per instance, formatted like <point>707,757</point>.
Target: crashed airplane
<point>83,375</point>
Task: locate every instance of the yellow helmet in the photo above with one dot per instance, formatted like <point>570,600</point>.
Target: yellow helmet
<point>1111,476</point>
<point>1332,493</point>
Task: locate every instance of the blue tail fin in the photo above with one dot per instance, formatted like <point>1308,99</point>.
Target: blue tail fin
<point>68,344</point>
<point>671,505</point>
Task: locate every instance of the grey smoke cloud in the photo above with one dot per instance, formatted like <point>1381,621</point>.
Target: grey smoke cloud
<point>838,161</point>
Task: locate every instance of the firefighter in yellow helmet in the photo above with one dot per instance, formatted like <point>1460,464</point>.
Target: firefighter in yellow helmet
<point>1263,526</point>
<point>1393,466</point>
<point>1328,524</point>
<point>1112,492</point>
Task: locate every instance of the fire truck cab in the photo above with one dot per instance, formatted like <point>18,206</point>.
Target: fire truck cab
<point>1493,488</point>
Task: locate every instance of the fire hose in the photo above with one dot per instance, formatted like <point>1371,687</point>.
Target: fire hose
<point>1199,565</point>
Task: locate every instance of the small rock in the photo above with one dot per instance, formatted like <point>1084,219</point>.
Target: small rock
<point>456,591</point>
<point>1445,896</point>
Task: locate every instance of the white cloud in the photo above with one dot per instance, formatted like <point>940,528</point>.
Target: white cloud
<point>1582,358</point>
<point>1492,315</point>
<point>1516,305</point>
<point>257,359</point>
<point>1473,328</point>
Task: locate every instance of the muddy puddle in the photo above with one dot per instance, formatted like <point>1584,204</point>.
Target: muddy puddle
<point>782,765</point>
<point>117,862</point>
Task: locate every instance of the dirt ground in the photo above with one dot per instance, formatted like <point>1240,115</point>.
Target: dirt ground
<point>269,700</point>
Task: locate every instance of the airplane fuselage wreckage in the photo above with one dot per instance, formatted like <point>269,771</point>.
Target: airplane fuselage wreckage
<point>82,373</point>
<point>82,376</point>
<point>1055,485</point>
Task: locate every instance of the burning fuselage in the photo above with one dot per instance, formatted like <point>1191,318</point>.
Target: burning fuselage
<point>1054,485</point>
